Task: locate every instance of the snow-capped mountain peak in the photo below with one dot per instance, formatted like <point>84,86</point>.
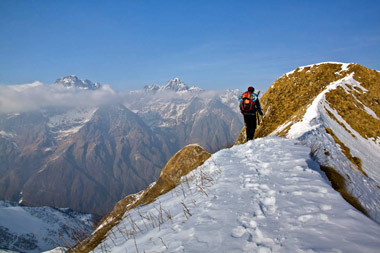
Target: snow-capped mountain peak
<point>74,81</point>
<point>174,85</point>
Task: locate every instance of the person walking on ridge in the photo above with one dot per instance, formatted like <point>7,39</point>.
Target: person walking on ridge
<point>249,105</point>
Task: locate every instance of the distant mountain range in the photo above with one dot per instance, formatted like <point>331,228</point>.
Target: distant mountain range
<point>89,157</point>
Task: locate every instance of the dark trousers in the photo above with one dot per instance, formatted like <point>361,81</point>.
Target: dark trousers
<point>250,123</point>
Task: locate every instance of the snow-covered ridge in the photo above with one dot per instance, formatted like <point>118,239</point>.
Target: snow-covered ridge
<point>247,199</point>
<point>312,131</point>
<point>317,115</point>
<point>313,112</point>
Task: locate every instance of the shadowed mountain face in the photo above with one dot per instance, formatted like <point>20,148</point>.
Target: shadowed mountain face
<point>209,123</point>
<point>22,144</point>
<point>112,155</point>
<point>88,158</point>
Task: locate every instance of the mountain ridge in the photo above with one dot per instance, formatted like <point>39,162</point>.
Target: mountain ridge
<point>335,114</point>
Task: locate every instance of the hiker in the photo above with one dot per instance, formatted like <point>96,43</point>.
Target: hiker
<point>249,106</point>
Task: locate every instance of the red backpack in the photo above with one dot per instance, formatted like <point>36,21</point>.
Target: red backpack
<point>247,104</point>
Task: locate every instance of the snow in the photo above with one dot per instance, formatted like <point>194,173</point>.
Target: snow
<point>282,127</point>
<point>307,123</point>
<point>168,108</point>
<point>311,131</point>
<point>74,82</point>
<point>366,149</point>
<point>57,250</point>
<point>263,196</point>
<point>39,228</point>
<point>6,134</point>
<point>70,121</point>
<point>367,109</point>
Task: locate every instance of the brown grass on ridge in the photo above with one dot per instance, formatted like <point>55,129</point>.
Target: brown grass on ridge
<point>346,151</point>
<point>338,182</point>
<point>184,161</point>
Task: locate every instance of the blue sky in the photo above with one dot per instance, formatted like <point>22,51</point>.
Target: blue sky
<point>223,44</point>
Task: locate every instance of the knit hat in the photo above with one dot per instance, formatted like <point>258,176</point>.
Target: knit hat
<point>251,89</point>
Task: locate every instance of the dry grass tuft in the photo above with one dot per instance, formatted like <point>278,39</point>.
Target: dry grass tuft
<point>352,111</point>
<point>242,138</point>
<point>338,182</point>
<point>290,95</point>
<point>184,161</point>
<point>346,151</point>
<point>340,123</point>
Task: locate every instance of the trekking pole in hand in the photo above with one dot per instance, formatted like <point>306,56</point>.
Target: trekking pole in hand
<point>262,121</point>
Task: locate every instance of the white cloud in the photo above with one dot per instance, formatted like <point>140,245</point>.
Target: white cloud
<point>35,96</point>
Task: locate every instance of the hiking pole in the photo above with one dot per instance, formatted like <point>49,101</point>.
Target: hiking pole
<point>262,121</point>
<point>258,118</point>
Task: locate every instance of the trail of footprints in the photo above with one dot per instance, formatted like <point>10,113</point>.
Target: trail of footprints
<point>264,198</point>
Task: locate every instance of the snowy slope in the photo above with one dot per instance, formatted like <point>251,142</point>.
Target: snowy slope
<point>35,229</point>
<point>263,196</point>
<point>69,121</point>
<point>311,130</point>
